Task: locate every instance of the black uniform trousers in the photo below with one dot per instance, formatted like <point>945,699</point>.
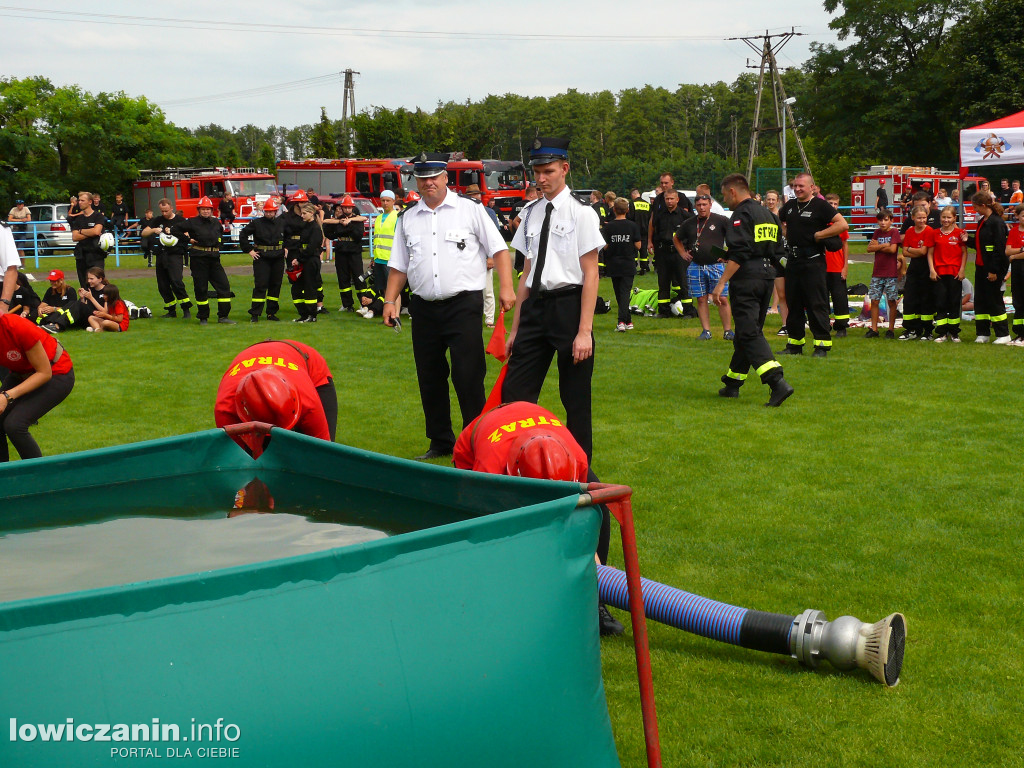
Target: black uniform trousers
<point>169,270</point>
<point>448,327</point>
<point>1017,286</point>
<point>672,283</point>
<point>750,299</point>
<point>87,262</point>
<point>836,286</point>
<point>622,286</point>
<point>989,310</point>
<point>948,300</point>
<point>807,297</point>
<point>918,302</point>
<point>206,271</point>
<point>268,275</point>
<point>548,324</point>
<point>349,266</point>
<point>304,290</point>
<point>28,409</point>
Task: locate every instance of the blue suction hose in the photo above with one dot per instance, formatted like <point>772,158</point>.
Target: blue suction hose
<point>846,642</point>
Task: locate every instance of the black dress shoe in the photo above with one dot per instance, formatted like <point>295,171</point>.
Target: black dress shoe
<point>434,453</point>
<point>781,389</point>
<point>607,623</point>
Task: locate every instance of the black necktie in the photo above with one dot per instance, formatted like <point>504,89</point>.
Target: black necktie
<point>542,247</point>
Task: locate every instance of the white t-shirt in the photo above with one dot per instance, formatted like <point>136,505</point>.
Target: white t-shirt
<point>8,251</point>
<point>444,250</point>
<point>574,231</point>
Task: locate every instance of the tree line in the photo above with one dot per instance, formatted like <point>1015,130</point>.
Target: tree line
<point>904,78</point>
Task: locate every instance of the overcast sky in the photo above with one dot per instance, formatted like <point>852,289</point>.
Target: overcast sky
<point>409,54</point>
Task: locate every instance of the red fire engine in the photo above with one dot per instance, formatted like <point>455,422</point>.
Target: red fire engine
<point>184,186</point>
<point>501,180</point>
<point>905,179</point>
<point>365,178</point>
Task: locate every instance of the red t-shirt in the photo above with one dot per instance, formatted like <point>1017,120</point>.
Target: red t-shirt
<point>306,373</point>
<point>914,239</point>
<point>886,264</point>
<point>483,446</point>
<point>948,251</point>
<point>121,309</point>
<point>1015,238</point>
<point>834,260</point>
<point>18,336</point>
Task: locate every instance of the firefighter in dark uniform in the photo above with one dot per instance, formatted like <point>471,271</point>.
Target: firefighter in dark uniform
<point>263,239</point>
<point>169,246</point>
<point>294,225</point>
<point>346,230</point>
<point>60,308</point>
<point>204,234</point>
<point>86,228</point>
<point>306,257</point>
<point>640,214</point>
<point>754,241</point>
<point>672,283</point>
<point>810,225</point>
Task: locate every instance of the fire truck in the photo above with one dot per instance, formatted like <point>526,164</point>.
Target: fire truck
<point>906,179</point>
<point>357,177</point>
<point>184,186</point>
<point>501,180</point>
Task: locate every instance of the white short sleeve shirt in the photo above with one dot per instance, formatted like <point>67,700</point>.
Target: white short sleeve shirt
<point>8,251</point>
<point>444,251</point>
<point>574,231</point>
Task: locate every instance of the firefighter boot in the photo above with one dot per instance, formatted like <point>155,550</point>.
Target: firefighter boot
<point>781,389</point>
<point>731,388</point>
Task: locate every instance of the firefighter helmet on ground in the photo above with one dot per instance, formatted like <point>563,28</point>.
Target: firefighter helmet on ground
<point>541,455</point>
<point>266,395</point>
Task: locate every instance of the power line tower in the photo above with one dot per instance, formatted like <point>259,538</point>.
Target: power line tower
<point>348,111</point>
<point>767,46</point>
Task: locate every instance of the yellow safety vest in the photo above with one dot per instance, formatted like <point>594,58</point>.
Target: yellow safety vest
<point>383,236</point>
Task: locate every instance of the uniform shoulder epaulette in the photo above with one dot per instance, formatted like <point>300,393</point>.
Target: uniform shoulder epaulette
<point>467,197</point>
<point>585,205</point>
<point>401,213</point>
<point>528,205</point>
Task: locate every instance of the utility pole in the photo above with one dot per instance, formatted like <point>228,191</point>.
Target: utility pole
<point>767,46</point>
<point>348,111</point>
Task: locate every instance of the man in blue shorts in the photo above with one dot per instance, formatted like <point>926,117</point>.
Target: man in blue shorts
<point>694,240</point>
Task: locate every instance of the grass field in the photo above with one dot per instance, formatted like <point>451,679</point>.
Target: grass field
<point>889,482</point>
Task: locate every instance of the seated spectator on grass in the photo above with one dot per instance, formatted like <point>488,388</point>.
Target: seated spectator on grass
<point>24,300</point>
<point>91,296</point>
<point>60,308</point>
<point>114,314</point>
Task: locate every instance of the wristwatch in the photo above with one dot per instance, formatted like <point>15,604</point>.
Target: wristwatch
<point>6,301</point>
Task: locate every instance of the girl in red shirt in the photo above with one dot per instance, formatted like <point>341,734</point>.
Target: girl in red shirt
<point>918,298</point>
<point>1015,252</point>
<point>113,316</point>
<point>947,262</point>
<point>36,376</point>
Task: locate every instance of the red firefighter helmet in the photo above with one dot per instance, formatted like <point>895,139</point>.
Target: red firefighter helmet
<point>271,204</point>
<point>266,395</point>
<point>299,197</point>
<point>412,197</point>
<point>205,202</point>
<point>348,202</point>
<point>294,273</point>
<point>541,455</point>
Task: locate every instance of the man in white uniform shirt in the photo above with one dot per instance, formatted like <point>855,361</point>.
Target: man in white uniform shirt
<point>441,247</point>
<point>9,264</point>
<point>557,293</point>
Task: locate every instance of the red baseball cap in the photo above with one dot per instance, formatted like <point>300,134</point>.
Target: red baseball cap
<point>56,275</point>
